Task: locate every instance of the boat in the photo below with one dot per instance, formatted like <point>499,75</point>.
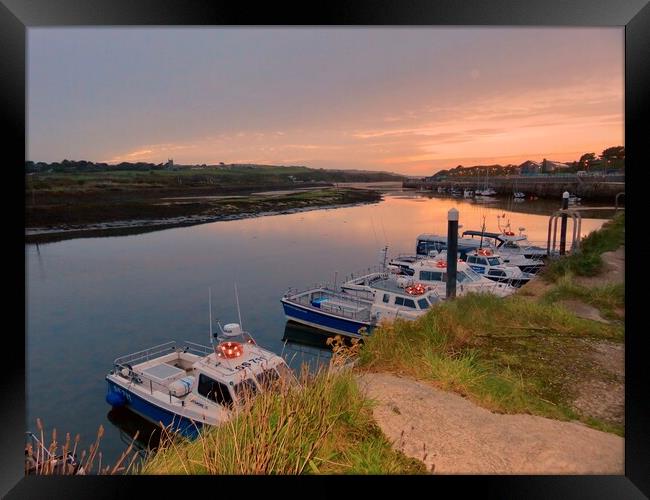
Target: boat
<point>186,386</point>
<point>491,264</point>
<point>573,199</point>
<point>431,244</point>
<point>519,195</point>
<point>357,312</point>
<point>468,193</point>
<point>433,272</point>
<point>514,249</point>
<point>487,192</point>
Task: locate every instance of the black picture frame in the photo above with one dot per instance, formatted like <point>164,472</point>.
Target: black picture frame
<point>16,16</point>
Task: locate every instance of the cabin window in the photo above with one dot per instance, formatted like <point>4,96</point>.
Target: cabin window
<point>423,303</point>
<point>267,378</point>
<point>399,301</point>
<point>431,276</point>
<point>471,259</point>
<point>245,389</point>
<point>424,247</point>
<point>214,391</point>
<point>494,261</point>
<point>386,298</point>
<point>496,272</point>
<point>409,303</point>
<point>482,261</point>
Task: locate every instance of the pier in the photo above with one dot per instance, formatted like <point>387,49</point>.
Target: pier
<point>542,186</point>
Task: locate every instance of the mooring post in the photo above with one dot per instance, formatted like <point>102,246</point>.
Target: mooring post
<point>565,206</point>
<point>452,251</point>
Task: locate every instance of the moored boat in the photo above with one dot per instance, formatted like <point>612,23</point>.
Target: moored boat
<point>185,386</point>
<point>360,306</point>
<point>433,272</point>
<point>491,264</point>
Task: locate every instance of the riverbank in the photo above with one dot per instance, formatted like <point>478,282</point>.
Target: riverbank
<point>521,385</point>
<point>492,373</point>
<point>65,218</point>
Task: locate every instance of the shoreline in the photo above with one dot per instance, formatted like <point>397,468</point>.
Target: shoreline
<point>142,226</point>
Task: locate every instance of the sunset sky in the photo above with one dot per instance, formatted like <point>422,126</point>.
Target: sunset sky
<point>407,100</point>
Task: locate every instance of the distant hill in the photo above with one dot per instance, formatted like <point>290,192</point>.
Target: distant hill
<point>234,172</point>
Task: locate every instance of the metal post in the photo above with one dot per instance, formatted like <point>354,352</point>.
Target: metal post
<point>565,206</point>
<point>452,250</point>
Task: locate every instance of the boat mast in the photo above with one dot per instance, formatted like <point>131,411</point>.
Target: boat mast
<point>482,231</point>
<point>210,314</point>
<point>238,310</point>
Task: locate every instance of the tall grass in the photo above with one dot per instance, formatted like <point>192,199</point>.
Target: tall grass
<point>608,299</point>
<point>53,458</point>
<point>449,345</point>
<point>588,261</point>
<point>323,426</point>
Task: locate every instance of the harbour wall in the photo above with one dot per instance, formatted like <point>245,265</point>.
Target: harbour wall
<point>605,188</point>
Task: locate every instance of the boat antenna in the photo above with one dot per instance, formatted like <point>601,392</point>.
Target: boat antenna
<point>210,313</point>
<point>238,310</point>
<point>482,231</point>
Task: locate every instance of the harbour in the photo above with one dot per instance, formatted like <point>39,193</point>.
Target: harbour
<point>153,288</point>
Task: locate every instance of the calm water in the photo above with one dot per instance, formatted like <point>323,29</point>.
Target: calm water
<point>92,300</point>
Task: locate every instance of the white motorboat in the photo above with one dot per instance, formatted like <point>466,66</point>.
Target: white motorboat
<point>432,271</point>
<point>358,309</point>
<point>492,265</point>
<point>185,386</point>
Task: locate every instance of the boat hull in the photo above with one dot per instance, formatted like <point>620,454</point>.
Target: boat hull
<point>516,282</point>
<point>323,320</point>
<point>152,412</point>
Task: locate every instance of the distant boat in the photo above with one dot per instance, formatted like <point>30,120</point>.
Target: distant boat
<point>468,193</point>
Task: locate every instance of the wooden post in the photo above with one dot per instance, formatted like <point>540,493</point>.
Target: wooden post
<point>452,250</point>
<point>565,206</point>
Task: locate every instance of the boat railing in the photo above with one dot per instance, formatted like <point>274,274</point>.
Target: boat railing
<point>198,349</point>
<point>146,354</point>
<point>365,272</point>
<point>363,306</point>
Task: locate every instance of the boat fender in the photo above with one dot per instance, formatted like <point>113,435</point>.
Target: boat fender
<point>115,399</point>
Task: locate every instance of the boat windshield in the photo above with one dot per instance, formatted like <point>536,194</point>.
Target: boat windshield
<point>471,274</point>
<point>267,378</point>
<point>510,244</point>
<point>245,390</point>
<point>494,261</point>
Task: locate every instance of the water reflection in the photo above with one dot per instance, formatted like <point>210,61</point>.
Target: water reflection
<point>92,300</point>
<point>305,345</point>
<point>129,425</point>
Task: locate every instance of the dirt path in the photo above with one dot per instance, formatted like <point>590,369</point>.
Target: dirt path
<point>452,435</point>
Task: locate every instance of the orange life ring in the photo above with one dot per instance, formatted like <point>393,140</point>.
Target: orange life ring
<point>484,251</point>
<point>417,289</point>
<point>230,350</point>
<point>441,263</point>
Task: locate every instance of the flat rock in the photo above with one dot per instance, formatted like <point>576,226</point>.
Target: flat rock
<point>452,435</point>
